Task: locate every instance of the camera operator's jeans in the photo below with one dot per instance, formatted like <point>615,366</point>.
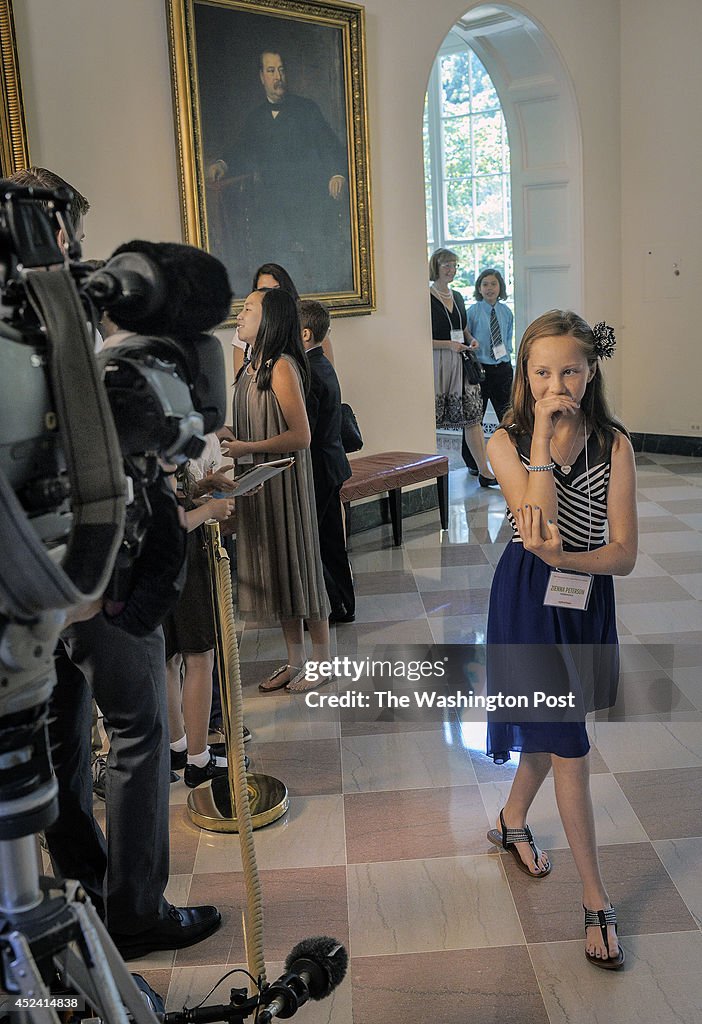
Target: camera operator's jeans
<point>126,877</point>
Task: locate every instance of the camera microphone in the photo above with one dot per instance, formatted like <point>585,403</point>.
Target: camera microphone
<point>128,285</point>
<point>313,969</point>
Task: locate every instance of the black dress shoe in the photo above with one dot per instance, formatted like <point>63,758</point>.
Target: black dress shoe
<point>179,759</point>
<point>487,481</point>
<point>182,926</point>
<point>195,776</point>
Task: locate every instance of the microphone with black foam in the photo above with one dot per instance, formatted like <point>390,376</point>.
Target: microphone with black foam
<point>313,969</point>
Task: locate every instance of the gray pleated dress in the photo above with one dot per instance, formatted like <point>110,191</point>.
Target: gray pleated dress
<point>279,567</point>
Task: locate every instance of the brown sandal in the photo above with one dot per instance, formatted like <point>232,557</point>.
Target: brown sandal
<point>274,682</point>
<point>508,837</point>
<point>602,918</point>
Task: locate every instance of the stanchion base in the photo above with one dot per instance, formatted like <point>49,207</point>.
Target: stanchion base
<point>209,805</point>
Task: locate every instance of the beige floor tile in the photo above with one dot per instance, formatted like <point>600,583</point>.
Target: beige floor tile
<point>189,986</point>
<point>645,899</point>
<point>447,555</point>
<point>262,644</point>
<point>453,577</point>
<point>628,746</point>
<point>297,902</point>
<point>692,582</point>
<point>668,803</point>
<point>646,692</point>
<point>307,767</point>
<point>392,607</point>
<point>461,629</point>
<point>277,717</point>
<point>664,617</point>
<point>410,824</point>
<point>682,859</point>
<point>390,582</point>
<point>362,637</point>
<point>389,559</point>
<point>632,591</point>
<point>645,566</point>
<point>417,760</point>
<point>469,986</point>
<point>689,681</point>
<point>615,820</point>
<point>311,833</point>
<point>661,981</point>
<point>670,543</point>
<point>447,903</point>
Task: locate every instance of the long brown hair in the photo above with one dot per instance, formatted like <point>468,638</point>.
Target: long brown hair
<point>519,418</point>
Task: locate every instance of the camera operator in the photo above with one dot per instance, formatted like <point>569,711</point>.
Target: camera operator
<point>126,875</point>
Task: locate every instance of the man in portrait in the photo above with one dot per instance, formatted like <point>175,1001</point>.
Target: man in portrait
<point>287,173</point>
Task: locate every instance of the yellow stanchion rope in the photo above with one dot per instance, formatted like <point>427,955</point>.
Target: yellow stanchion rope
<point>227,654</point>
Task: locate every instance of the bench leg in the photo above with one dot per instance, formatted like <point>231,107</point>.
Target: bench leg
<point>442,489</point>
<point>395,502</point>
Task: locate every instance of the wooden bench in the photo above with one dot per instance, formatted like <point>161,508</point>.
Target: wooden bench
<point>391,471</point>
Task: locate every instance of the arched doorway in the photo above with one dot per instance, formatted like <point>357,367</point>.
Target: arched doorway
<point>543,125</point>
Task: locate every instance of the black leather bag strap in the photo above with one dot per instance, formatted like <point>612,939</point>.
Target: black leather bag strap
<point>93,463</point>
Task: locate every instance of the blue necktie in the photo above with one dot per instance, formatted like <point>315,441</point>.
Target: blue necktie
<point>495,333</point>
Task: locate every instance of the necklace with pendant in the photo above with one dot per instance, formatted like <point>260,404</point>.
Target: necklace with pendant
<point>566,466</point>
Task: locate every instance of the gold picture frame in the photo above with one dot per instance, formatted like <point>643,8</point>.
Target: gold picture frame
<point>14,152</point>
<point>287,183</point>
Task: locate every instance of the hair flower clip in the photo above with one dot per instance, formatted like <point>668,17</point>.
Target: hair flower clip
<point>605,341</point>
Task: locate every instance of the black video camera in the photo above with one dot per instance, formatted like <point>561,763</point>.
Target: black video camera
<point>83,439</point>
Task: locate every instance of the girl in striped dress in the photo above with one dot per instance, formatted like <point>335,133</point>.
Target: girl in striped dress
<point>566,468</point>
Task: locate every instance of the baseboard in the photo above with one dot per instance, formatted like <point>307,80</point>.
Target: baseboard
<point>667,444</point>
<point>374,513</point>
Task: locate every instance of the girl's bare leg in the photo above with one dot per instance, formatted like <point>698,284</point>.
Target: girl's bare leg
<point>176,726</point>
<point>319,635</point>
<point>197,699</point>
<point>532,770</point>
<point>572,779</point>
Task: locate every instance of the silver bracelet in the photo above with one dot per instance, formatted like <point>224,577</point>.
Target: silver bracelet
<point>541,469</point>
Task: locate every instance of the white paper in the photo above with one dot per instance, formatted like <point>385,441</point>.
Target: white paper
<point>250,480</point>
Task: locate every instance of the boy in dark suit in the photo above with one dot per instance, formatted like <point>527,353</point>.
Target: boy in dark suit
<point>329,463</point>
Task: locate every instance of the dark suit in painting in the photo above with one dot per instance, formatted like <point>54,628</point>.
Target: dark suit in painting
<point>285,156</point>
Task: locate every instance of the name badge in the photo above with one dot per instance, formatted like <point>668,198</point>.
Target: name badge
<point>245,460</point>
<point>499,350</point>
<point>568,589</point>
<point>458,336</point>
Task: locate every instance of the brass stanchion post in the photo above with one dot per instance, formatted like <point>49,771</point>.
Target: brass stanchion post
<point>240,802</point>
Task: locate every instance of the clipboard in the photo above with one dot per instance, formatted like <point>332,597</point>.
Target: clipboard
<point>252,478</point>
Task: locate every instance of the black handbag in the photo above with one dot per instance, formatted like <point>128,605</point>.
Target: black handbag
<point>473,371</point>
<point>351,437</point>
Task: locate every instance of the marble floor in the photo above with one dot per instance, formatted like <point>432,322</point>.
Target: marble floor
<point>384,843</point>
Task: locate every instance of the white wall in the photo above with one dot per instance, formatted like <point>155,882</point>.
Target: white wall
<point>97,90</point>
<point>662,214</point>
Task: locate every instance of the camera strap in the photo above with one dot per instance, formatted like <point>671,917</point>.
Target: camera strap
<point>93,462</point>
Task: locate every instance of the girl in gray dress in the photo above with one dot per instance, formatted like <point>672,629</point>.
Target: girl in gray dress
<point>278,562</point>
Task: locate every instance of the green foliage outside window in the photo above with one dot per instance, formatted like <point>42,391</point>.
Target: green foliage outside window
<point>466,166</point>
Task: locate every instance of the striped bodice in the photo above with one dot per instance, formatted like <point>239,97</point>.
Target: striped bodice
<point>582,496</point>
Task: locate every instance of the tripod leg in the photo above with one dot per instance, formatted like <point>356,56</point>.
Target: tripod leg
<point>26,976</point>
<point>104,980</point>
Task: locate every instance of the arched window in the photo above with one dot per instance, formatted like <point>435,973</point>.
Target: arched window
<point>467,166</point>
